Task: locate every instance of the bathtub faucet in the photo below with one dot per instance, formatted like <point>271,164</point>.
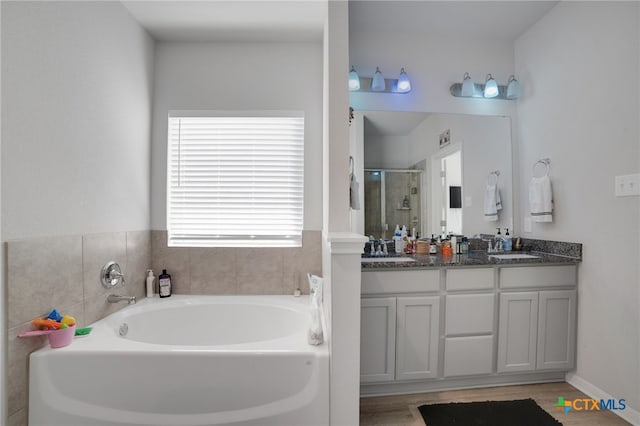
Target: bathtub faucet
<point>115,298</point>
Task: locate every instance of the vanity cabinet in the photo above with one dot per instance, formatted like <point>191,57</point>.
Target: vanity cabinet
<point>537,329</point>
<point>377,339</point>
<point>418,335</point>
<point>399,334</point>
<point>437,328</point>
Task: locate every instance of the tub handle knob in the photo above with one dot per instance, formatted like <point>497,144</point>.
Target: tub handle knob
<point>111,275</point>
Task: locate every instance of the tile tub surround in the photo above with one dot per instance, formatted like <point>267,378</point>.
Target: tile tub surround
<point>63,272</point>
<point>219,270</point>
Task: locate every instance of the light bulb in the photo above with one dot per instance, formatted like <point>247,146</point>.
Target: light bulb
<point>468,87</point>
<point>404,84</point>
<point>513,88</point>
<point>490,87</point>
<point>378,84</point>
<point>354,80</point>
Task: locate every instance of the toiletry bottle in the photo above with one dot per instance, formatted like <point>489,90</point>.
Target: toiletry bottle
<point>433,247</point>
<point>397,239</point>
<point>150,280</point>
<point>507,244</point>
<point>499,240</point>
<point>164,284</point>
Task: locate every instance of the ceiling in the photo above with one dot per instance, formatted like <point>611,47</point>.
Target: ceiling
<point>236,20</point>
<point>491,20</point>
<point>392,123</point>
<point>303,20</point>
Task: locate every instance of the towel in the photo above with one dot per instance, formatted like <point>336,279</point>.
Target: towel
<point>354,198</point>
<point>492,203</point>
<point>541,199</point>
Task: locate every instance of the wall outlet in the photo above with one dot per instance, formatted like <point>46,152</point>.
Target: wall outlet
<point>628,185</point>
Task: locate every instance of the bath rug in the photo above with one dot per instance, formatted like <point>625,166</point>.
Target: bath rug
<point>523,412</point>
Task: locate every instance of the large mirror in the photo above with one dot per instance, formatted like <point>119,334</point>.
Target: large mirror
<point>442,171</point>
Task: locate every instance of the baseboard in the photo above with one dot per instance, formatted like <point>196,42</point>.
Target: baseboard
<point>628,414</point>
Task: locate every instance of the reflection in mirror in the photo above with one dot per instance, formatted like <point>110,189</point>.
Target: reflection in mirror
<point>456,154</point>
<point>391,197</point>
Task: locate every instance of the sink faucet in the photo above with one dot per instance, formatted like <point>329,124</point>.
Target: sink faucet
<point>115,298</point>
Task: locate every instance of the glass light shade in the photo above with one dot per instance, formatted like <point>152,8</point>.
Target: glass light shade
<point>354,80</point>
<point>513,88</point>
<point>404,84</point>
<point>490,87</point>
<point>377,83</point>
<point>467,86</point>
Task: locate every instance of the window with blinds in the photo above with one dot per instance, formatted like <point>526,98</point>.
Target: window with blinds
<point>235,180</point>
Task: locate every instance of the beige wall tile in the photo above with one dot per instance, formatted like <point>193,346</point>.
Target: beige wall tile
<point>97,251</point>
<point>174,259</point>
<point>213,270</point>
<point>138,262</point>
<point>18,418</point>
<point>260,270</point>
<point>97,307</point>
<point>300,261</point>
<point>42,273</point>
<point>18,350</point>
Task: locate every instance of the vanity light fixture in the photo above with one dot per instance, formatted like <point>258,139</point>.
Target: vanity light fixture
<point>490,87</point>
<point>489,90</point>
<point>378,83</point>
<point>354,80</point>
<point>513,88</point>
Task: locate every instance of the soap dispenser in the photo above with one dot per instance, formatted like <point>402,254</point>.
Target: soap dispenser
<point>499,241</point>
<point>507,243</point>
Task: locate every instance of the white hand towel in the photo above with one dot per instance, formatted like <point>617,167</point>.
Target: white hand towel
<point>492,203</point>
<point>541,199</point>
<point>354,197</point>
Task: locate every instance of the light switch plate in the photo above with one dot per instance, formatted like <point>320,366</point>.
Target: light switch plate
<point>627,185</point>
<point>527,224</point>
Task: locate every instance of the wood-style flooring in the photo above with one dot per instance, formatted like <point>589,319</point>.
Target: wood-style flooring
<point>402,410</point>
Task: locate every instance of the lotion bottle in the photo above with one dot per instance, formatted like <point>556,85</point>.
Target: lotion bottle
<point>150,281</point>
<point>164,284</point>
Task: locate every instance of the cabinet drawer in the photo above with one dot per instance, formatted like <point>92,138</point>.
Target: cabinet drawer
<point>470,279</point>
<point>469,314</point>
<point>409,281</point>
<point>464,356</point>
<point>538,276</point>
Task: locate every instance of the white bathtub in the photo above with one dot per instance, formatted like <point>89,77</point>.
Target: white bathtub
<point>187,360</point>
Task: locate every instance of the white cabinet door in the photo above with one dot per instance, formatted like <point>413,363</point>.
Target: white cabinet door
<point>517,331</point>
<point>377,339</point>
<point>418,336</point>
<point>465,356</point>
<point>557,330</point>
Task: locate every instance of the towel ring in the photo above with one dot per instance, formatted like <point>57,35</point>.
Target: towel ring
<point>547,166</point>
<point>352,165</point>
<point>494,174</point>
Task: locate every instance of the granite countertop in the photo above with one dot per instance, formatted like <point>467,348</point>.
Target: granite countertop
<point>474,258</point>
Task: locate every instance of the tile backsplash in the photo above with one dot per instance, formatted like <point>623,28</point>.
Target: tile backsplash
<point>196,270</point>
<point>64,272</point>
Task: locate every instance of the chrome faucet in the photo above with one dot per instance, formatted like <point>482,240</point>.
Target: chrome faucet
<point>115,298</point>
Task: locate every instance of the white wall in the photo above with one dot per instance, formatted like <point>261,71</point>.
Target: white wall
<point>386,152</point>
<point>239,76</point>
<point>76,86</point>
<point>434,64</point>
<point>579,66</point>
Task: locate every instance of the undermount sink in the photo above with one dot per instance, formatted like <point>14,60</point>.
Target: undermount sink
<point>386,259</point>
<point>514,256</point>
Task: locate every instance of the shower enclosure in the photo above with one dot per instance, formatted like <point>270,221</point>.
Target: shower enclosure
<point>391,197</point>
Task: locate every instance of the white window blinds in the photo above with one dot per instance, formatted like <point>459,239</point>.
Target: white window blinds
<point>235,181</point>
